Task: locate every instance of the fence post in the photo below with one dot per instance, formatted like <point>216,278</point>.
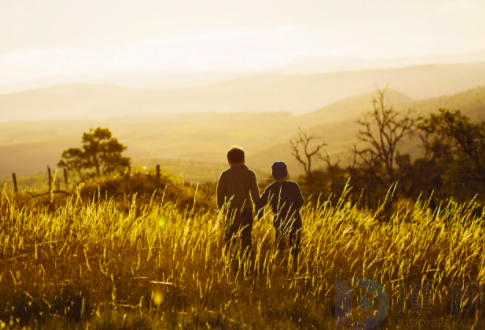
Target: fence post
<point>157,177</point>
<point>15,183</point>
<point>57,181</point>
<point>50,178</point>
<point>127,180</point>
<point>65,177</point>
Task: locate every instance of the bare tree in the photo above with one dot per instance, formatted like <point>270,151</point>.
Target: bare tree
<point>305,144</point>
<point>382,130</point>
<point>332,170</point>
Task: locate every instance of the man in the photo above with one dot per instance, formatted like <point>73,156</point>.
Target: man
<point>237,190</point>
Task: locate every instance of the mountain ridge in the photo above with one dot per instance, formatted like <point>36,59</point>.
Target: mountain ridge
<point>297,94</point>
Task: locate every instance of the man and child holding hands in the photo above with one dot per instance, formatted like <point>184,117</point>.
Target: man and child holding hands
<point>238,190</point>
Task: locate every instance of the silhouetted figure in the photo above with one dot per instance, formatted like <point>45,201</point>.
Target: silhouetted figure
<point>238,189</point>
<point>286,201</point>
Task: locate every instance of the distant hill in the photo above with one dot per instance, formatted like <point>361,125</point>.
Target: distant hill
<point>470,102</point>
<point>67,102</point>
<point>354,106</point>
<point>27,148</point>
<point>294,93</point>
<point>342,134</point>
<point>322,63</point>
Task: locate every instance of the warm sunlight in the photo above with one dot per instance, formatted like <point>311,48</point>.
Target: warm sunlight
<point>242,165</point>
<point>129,42</point>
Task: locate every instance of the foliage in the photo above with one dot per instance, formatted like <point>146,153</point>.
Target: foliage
<point>141,183</point>
<point>450,160</point>
<point>460,146</point>
<point>99,152</point>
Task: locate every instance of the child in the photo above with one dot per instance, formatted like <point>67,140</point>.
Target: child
<point>286,201</point>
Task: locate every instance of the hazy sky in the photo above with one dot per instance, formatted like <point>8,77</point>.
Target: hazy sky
<point>42,40</point>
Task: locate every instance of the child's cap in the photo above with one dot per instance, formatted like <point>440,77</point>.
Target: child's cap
<point>279,170</point>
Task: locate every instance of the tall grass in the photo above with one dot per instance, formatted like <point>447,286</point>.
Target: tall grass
<point>111,264</point>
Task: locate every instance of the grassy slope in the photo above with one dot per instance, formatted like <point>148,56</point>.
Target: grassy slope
<point>136,264</point>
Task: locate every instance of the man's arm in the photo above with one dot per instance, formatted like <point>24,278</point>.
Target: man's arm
<point>261,204</point>
<point>263,200</point>
<point>254,190</point>
<point>221,191</point>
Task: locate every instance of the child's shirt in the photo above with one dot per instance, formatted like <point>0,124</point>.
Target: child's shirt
<point>285,199</point>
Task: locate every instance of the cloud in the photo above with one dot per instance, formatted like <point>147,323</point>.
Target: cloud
<point>285,28</point>
<point>196,38</point>
<point>436,38</point>
<point>461,5</point>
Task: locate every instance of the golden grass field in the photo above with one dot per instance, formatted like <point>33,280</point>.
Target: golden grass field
<point>151,263</point>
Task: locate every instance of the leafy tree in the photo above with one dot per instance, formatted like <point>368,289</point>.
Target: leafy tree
<point>100,152</point>
<point>460,147</point>
<point>73,160</point>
